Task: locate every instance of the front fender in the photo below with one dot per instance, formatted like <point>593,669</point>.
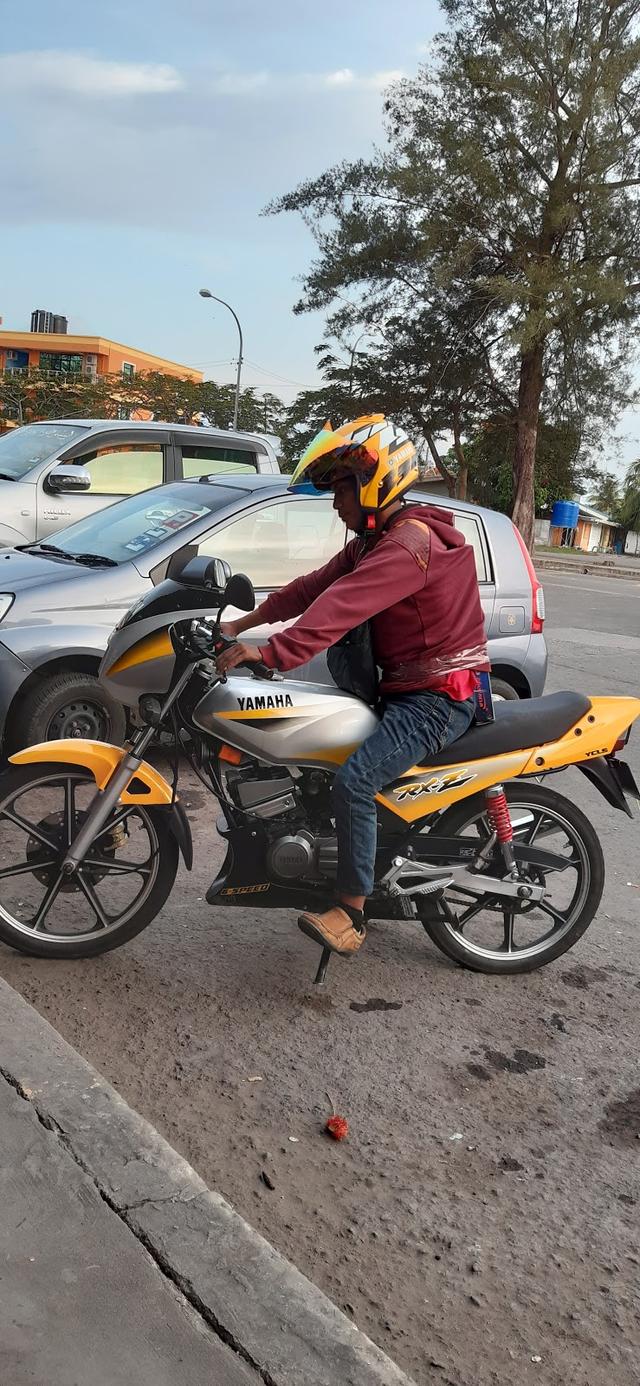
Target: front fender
<point>146,786</point>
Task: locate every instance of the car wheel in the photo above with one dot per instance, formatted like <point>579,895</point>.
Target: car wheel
<point>68,705</point>
<point>503,692</point>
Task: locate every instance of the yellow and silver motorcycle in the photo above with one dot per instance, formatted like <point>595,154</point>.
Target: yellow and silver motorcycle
<point>504,873</point>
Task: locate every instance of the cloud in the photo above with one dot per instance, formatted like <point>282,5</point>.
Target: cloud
<point>81,74</point>
<point>346,77</point>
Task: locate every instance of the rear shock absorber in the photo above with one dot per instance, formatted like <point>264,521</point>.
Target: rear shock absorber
<point>500,820</point>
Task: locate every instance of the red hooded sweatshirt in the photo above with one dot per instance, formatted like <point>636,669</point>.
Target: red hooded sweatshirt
<point>416,581</point>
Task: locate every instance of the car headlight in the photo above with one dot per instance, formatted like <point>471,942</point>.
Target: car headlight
<point>6,600</point>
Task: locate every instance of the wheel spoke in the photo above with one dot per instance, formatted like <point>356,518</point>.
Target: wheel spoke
<point>45,905</point>
<point>508,917</point>
<point>555,914</point>
<point>22,869</point>
<point>92,897</point>
<point>113,823</point>
<point>118,868</point>
<point>69,810</point>
<point>484,904</point>
<point>30,828</point>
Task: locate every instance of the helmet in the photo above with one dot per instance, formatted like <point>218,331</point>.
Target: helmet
<point>372,449</point>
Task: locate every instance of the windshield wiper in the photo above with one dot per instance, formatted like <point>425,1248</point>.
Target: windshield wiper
<point>48,548</point>
<point>6,476</point>
<point>93,560</point>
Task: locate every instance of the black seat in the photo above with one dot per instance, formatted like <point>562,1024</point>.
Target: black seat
<point>518,725</point>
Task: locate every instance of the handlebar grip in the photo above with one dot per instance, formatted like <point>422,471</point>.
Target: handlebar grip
<point>260,670</point>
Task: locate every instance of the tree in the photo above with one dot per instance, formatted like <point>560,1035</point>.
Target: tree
<point>29,395</point>
<point>510,180</point>
<point>629,513</point>
<point>606,494</point>
<point>559,472</point>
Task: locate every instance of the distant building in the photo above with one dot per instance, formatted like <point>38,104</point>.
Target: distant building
<point>67,354</point>
<point>43,321</point>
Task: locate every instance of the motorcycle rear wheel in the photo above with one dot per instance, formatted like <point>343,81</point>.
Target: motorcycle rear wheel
<point>468,931</point>
<point>116,892</point>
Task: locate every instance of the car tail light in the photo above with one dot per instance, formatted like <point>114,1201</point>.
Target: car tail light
<point>537,593</point>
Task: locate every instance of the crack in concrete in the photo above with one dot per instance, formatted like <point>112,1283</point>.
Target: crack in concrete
<point>164,1266</point>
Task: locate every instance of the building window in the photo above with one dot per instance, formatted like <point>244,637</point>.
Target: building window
<point>128,369</point>
<point>61,362</point>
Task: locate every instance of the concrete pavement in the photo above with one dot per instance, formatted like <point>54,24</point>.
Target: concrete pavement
<point>119,1265</point>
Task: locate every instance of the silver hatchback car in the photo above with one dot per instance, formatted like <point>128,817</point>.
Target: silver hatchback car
<point>59,471</point>
<point>59,601</point>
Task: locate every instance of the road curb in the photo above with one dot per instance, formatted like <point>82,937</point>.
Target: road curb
<point>255,1299</point>
<point>579,569</point>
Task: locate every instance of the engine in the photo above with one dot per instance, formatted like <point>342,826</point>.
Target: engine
<point>295,815</point>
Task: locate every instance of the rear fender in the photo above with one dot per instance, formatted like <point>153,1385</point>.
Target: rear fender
<point>602,774</point>
<point>146,786</point>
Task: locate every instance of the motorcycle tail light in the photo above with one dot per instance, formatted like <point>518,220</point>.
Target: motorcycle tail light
<point>622,740</point>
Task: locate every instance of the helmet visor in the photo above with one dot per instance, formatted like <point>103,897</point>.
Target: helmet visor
<point>322,462</point>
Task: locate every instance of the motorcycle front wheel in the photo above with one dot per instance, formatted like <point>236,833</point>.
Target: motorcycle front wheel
<point>502,937</point>
<point>122,884</point>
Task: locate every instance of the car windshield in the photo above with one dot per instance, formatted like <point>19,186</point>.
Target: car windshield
<point>131,527</point>
<point>25,447</point>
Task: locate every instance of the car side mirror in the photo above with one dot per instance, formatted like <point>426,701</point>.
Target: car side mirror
<point>63,480</point>
<point>210,573</point>
<point>239,593</point>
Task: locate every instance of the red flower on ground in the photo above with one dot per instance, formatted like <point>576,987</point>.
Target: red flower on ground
<point>338,1127</point>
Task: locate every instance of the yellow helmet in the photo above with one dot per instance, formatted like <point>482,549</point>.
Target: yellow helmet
<point>372,449</point>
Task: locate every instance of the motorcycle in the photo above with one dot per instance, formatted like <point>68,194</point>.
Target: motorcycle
<point>503,873</point>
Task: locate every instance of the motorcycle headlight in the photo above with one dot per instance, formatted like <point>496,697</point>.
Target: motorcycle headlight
<point>6,600</point>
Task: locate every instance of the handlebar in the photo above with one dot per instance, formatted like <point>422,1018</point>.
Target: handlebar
<point>205,639</point>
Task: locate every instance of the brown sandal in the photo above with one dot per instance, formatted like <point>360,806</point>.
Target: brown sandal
<point>333,929</point>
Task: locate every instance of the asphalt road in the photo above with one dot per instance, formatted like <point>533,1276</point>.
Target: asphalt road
<point>480,1222</point>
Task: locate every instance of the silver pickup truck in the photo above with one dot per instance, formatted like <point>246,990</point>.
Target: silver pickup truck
<point>62,470</point>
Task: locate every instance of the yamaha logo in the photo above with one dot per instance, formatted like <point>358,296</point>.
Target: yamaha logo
<point>266,702</point>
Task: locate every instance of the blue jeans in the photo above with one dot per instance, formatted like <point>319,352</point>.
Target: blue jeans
<point>414,726</point>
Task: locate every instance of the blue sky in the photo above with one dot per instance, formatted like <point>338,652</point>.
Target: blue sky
<point>141,141</point>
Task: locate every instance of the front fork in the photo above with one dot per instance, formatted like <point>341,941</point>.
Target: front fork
<point>107,798</point>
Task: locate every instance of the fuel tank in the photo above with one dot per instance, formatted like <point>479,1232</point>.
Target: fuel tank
<point>286,722</point>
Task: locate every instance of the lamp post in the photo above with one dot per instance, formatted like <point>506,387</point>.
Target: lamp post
<point>206,293</point>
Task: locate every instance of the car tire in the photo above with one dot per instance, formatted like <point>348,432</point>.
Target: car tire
<point>503,690</point>
<point>64,705</point>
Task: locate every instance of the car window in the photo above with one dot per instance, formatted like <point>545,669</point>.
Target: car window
<point>208,461</point>
<point>123,469</point>
<point>470,527</point>
<point>140,523</point>
<point>25,447</point>
<point>278,542</point>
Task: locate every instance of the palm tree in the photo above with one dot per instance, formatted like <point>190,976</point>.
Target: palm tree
<point>630,505</point>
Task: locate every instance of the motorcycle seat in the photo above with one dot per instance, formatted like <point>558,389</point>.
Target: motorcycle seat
<point>518,725</point>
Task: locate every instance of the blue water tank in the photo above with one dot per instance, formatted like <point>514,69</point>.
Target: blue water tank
<point>564,514</point>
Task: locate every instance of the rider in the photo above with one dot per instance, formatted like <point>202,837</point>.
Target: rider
<point>411,573</point>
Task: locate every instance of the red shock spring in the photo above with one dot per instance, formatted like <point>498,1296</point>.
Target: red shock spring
<point>498,814</point>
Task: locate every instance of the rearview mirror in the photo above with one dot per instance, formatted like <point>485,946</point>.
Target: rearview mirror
<point>239,592</point>
<point>205,572</point>
<point>63,479</point>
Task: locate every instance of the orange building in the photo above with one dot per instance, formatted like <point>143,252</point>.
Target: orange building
<point>66,354</point>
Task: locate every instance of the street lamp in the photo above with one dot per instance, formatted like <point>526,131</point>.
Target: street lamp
<point>206,293</point>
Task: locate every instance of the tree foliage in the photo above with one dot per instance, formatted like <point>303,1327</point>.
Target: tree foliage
<point>629,512</point>
<point>508,185</point>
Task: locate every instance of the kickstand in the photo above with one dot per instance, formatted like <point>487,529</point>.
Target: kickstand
<point>321,975</point>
